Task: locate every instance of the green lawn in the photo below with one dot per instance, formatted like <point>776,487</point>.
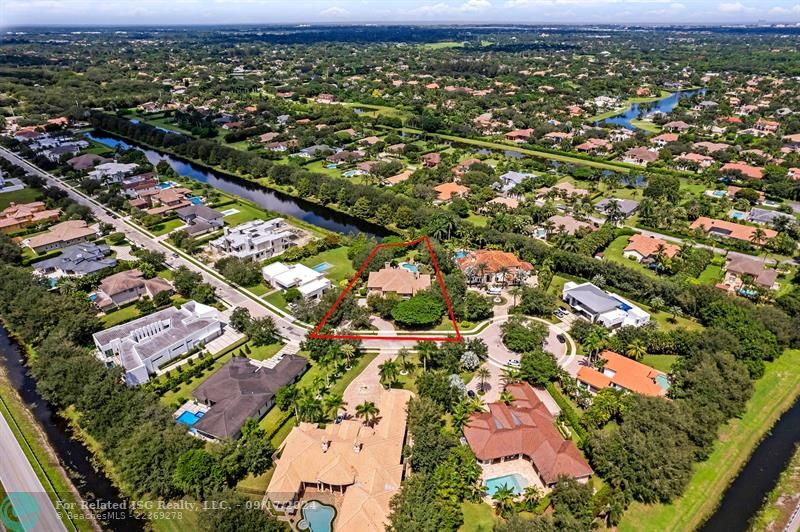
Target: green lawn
<point>774,393</point>
<point>613,253</point>
<point>711,275</point>
<point>478,517</point>
<point>165,227</point>
<point>246,213</point>
<point>443,44</point>
<point>319,167</point>
<point>26,195</point>
<point>276,299</point>
<point>121,315</point>
<point>342,269</point>
<point>478,220</point>
<point>263,352</point>
<point>660,362</point>
<point>646,126</point>
<point>259,289</point>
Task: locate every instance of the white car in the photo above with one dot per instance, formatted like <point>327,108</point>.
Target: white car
<point>494,291</point>
<point>514,363</point>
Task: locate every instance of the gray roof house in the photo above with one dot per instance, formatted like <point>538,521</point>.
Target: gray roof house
<point>511,179</point>
<point>77,260</point>
<point>316,150</point>
<point>627,206</point>
<point>143,345</point>
<point>766,216</point>
<point>257,239</point>
<point>599,306</point>
<point>242,389</point>
<point>200,219</point>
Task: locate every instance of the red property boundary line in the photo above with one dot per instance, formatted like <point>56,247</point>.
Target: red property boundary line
<point>457,338</point>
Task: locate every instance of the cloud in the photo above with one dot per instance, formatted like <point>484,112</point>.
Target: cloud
<point>734,7</point>
<point>470,6</point>
<point>335,11</point>
<point>779,10</point>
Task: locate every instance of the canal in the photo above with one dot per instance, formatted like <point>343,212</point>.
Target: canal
<point>745,495</point>
<point>269,199</point>
<point>95,488</point>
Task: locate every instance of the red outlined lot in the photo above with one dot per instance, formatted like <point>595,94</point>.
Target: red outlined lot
<point>457,338</point>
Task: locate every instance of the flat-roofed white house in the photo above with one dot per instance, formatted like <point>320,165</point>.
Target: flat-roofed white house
<point>112,172</point>
<point>308,281</point>
<point>257,239</point>
<point>605,308</point>
<point>143,345</point>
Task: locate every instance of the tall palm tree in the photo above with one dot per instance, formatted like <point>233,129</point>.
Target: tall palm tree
<point>483,375</point>
<point>596,340</point>
<point>531,496</point>
<point>482,267</point>
<point>758,237</point>
<point>348,351</point>
<point>460,416</point>
<point>503,272</point>
<point>504,500</point>
<point>368,412</point>
<point>636,349</point>
<point>425,352</point>
<point>309,407</point>
<point>510,376</point>
<point>333,402</point>
<point>388,372</point>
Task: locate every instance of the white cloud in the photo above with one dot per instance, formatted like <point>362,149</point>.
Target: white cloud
<point>779,10</point>
<point>470,6</point>
<point>335,11</point>
<point>734,7</point>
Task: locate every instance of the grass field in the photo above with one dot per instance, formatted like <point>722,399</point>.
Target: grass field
<point>276,299</point>
<point>166,227</point>
<point>774,393</point>
<point>478,517</point>
<point>443,44</point>
<point>646,126</point>
<point>342,267</point>
<point>613,253</point>
<point>263,352</point>
<point>660,362</point>
<point>246,213</point>
<point>26,195</point>
<point>711,275</point>
<point>121,315</point>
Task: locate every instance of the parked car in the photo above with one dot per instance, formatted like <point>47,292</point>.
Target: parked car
<point>494,290</point>
<point>514,363</point>
<point>561,338</point>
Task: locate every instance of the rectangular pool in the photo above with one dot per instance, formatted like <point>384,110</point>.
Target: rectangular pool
<point>516,482</point>
<point>322,267</point>
<point>189,418</point>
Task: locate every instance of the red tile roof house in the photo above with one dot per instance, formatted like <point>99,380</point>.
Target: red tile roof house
<point>431,160</point>
<point>519,135</point>
<point>664,139</point>
<point>641,156</point>
<point>525,430</point>
<point>710,227</point>
<point>623,373</point>
<point>16,217</point>
<point>752,172</point>
<point>396,280</point>
<point>486,266</point>
<point>449,191</point>
<point>645,248</point>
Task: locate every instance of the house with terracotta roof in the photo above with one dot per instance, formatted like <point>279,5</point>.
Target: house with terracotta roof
<point>449,191</point>
<point>398,178</point>
<point>568,224</point>
<point>360,466</point>
<point>685,161</point>
<point>524,430</point>
<point>724,228</point>
<point>61,235</point>
<point>646,248</point>
<point>746,170</point>
<point>15,217</point>
<point>623,373</point>
<point>664,139</point>
<point>493,266</point>
<point>169,199</point>
<point>432,160</point>
<point>400,281</point>
<point>641,156</point>
<point>124,287</point>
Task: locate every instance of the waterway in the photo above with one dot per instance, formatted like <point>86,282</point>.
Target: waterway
<point>93,485</point>
<point>269,199</point>
<point>759,476</point>
<point>637,110</point>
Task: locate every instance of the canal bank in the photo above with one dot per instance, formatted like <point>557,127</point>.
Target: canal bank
<point>268,198</point>
<point>91,483</point>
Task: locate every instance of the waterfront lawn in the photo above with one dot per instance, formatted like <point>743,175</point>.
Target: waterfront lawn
<point>342,266</point>
<point>660,362</point>
<point>646,126</point>
<point>25,195</point>
<point>774,393</point>
<point>246,213</point>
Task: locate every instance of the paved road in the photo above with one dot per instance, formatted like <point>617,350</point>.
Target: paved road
<point>17,475</point>
<point>227,293</point>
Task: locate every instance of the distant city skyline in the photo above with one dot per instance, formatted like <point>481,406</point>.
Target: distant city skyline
<point>143,12</point>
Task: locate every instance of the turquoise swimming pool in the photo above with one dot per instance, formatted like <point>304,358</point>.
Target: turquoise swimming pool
<point>318,517</point>
<point>516,482</point>
<point>410,267</point>
<point>322,267</point>
<point>189,418</point>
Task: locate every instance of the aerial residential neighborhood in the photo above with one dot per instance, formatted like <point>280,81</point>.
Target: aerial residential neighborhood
<point>513,266</point>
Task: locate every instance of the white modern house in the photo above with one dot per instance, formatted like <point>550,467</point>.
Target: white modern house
<point>142,346</point>
<point>605,308</point>
<point>309,282</point>
<point>257,239</point>
<point>112,172</point>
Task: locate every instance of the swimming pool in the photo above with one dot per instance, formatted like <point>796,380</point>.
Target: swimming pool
<point>737,215</point>
<point>228,212</point>
<point>164,186</point>
<point>189,418</point>
<point>196,200</point>
<point>516,482</point>
<point>322,267</point>
<point>719,193</point>
<point>460,254</point>
<point>317,516</point>
<point>410,267</point>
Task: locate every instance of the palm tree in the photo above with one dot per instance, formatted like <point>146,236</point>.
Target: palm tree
<point>506,397</point>
<point>333,402</point>
<point>425,352</point>
<point>388,373</point>
<point>368,412</point>
<point>503,272</point>
<point>636,349</point>
<point>510,376</point>
<point>504,500</point>
<point>309,408</point>
<point>460,416</point>
<point>348,351</point>
<point>596,340</point>
<point>758,237</point>
<point>482,267</point>
<point>531,496</point>
<point>483,374</point>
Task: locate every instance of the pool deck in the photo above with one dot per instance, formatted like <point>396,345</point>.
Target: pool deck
<point>518,466</point>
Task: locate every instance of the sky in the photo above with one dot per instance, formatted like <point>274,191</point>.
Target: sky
<point>125,12</point>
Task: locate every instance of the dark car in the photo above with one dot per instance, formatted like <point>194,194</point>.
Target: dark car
<point>561,338</point>
<point>471,394</point>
